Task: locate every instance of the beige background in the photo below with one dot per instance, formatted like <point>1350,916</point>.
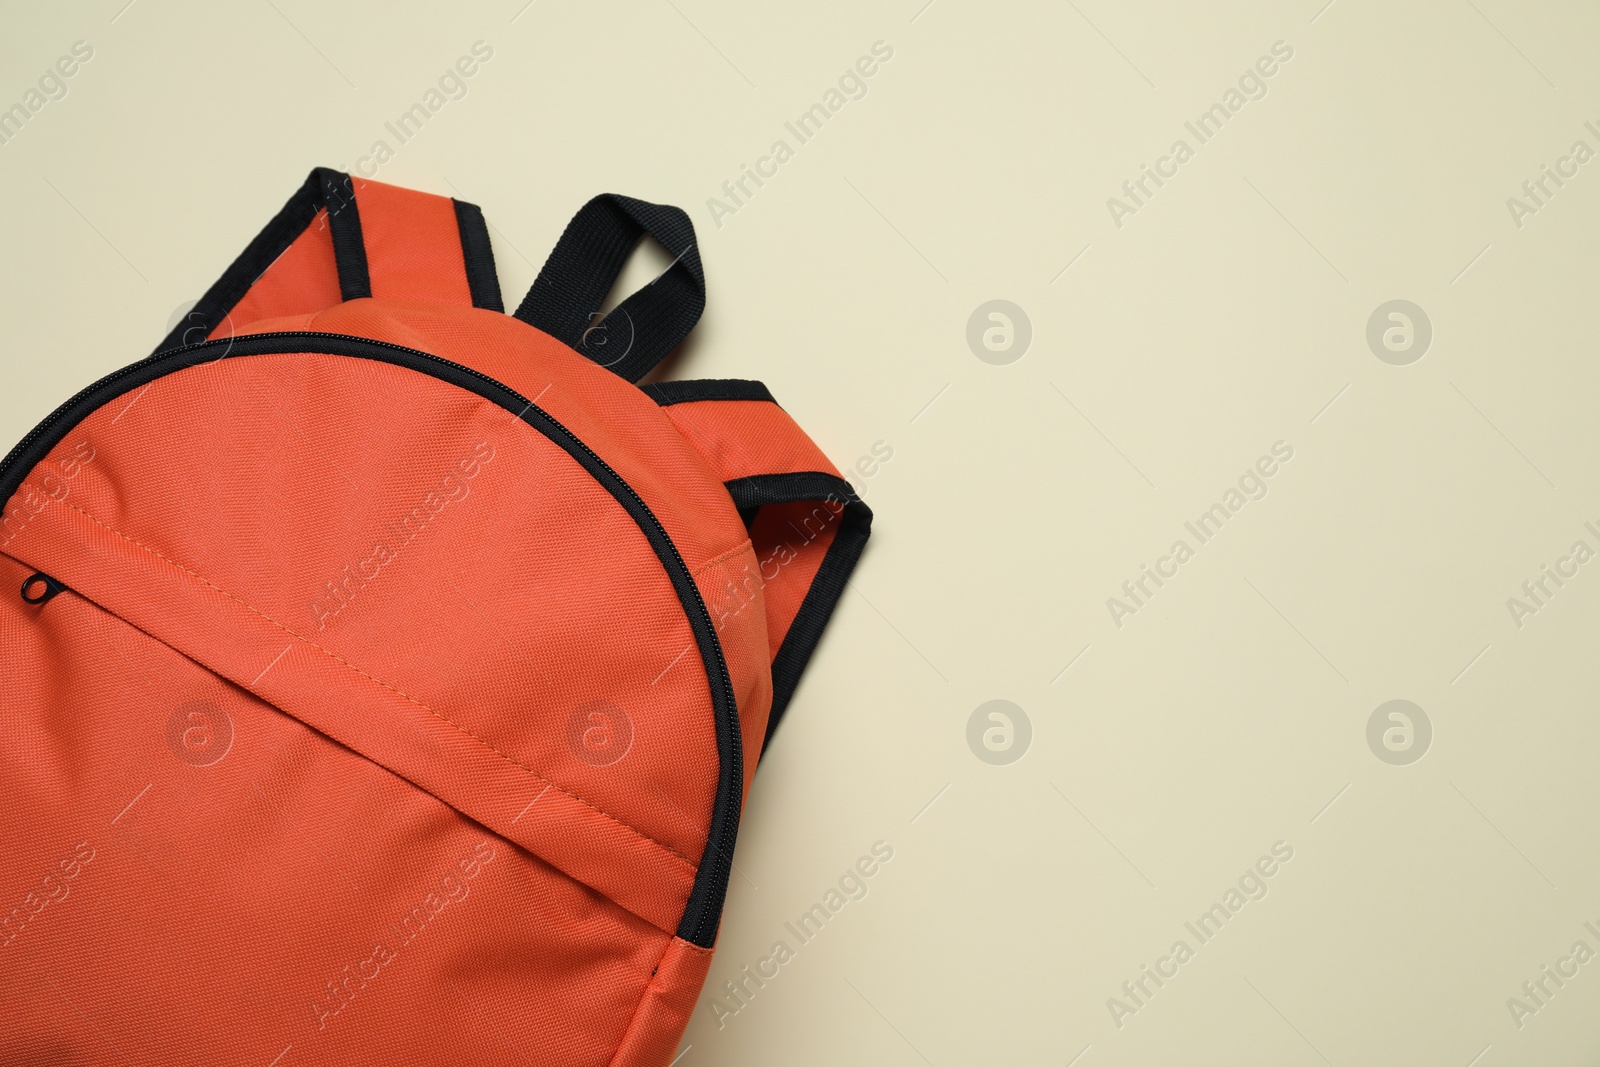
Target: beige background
<point>1168,353</point>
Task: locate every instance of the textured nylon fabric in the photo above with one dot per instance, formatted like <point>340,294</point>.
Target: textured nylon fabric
<point>195,877</point>
<point>369,727</point>
<point>745,438</point>
<point>413,244</point>
<point>440,594</point>
<point>741,438</point>
<point>623,426</point>
<point>300,281</point>
<point>790,541</point>
<point>449,559</point>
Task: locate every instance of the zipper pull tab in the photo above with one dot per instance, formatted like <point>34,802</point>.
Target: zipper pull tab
<point>39,587</point>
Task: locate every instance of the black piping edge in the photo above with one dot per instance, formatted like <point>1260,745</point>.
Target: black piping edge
<point>321,187</point>
<point>668,393</point>
<point>855,526</point>
<point>703,911</point>
<point>262,252</point>
<point>482,279</point>
<point>344,226</point>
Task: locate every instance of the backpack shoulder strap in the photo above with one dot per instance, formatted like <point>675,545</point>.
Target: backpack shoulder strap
<point>566,299</point>
<point>807,524</point>
<point>342,238</point>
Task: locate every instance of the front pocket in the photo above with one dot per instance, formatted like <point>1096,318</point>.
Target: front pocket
<point>422,565</point>
<point>208,880</point>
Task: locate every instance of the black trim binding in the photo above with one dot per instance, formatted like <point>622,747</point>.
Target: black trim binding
<point>273,241</point>
<point>334,190</point>
<point>668,393</point>
<point>478,256</point>
<point>344,226</point>
<point>704,909</point>
<point>855,525</point>
<point>323,187</point>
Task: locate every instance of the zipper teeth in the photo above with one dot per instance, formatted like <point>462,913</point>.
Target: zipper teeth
<point>58,414</point>
<point>724,679</point>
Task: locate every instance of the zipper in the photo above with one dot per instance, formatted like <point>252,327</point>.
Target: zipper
<point>704,909</point>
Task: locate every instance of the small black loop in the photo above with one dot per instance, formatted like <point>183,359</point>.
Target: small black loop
<point>574,282</point>
<point>51,587</point>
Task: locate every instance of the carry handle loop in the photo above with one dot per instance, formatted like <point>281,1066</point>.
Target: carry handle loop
<point>639,332</point>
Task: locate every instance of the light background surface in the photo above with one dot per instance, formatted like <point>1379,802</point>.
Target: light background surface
<point>1226,314</point>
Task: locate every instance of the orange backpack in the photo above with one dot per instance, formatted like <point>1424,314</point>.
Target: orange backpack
<point>385,673</point>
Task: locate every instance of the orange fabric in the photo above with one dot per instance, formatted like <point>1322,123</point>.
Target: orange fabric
<point>301,280</point>
<point>624,427</point>
<point>742,438</point>
<point>413,245</point>
<point>556,565</point>
<point>664,1012</point>
<point>369,727</point>
<point>288,894</point>
<point>220,506</point>
<point>413,252</point>
<point>791,541</point>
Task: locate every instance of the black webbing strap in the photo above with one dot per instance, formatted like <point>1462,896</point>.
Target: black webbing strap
<point>573,285</point>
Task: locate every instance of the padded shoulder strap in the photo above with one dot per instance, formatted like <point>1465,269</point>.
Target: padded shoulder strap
<point>341,238</point>
<point>806,522</point>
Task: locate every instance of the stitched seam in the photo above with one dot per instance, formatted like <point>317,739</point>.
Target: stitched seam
<point>732,553</point>
<point>378,681</point>
<point>638,1009</point>
<point>653,983</point>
